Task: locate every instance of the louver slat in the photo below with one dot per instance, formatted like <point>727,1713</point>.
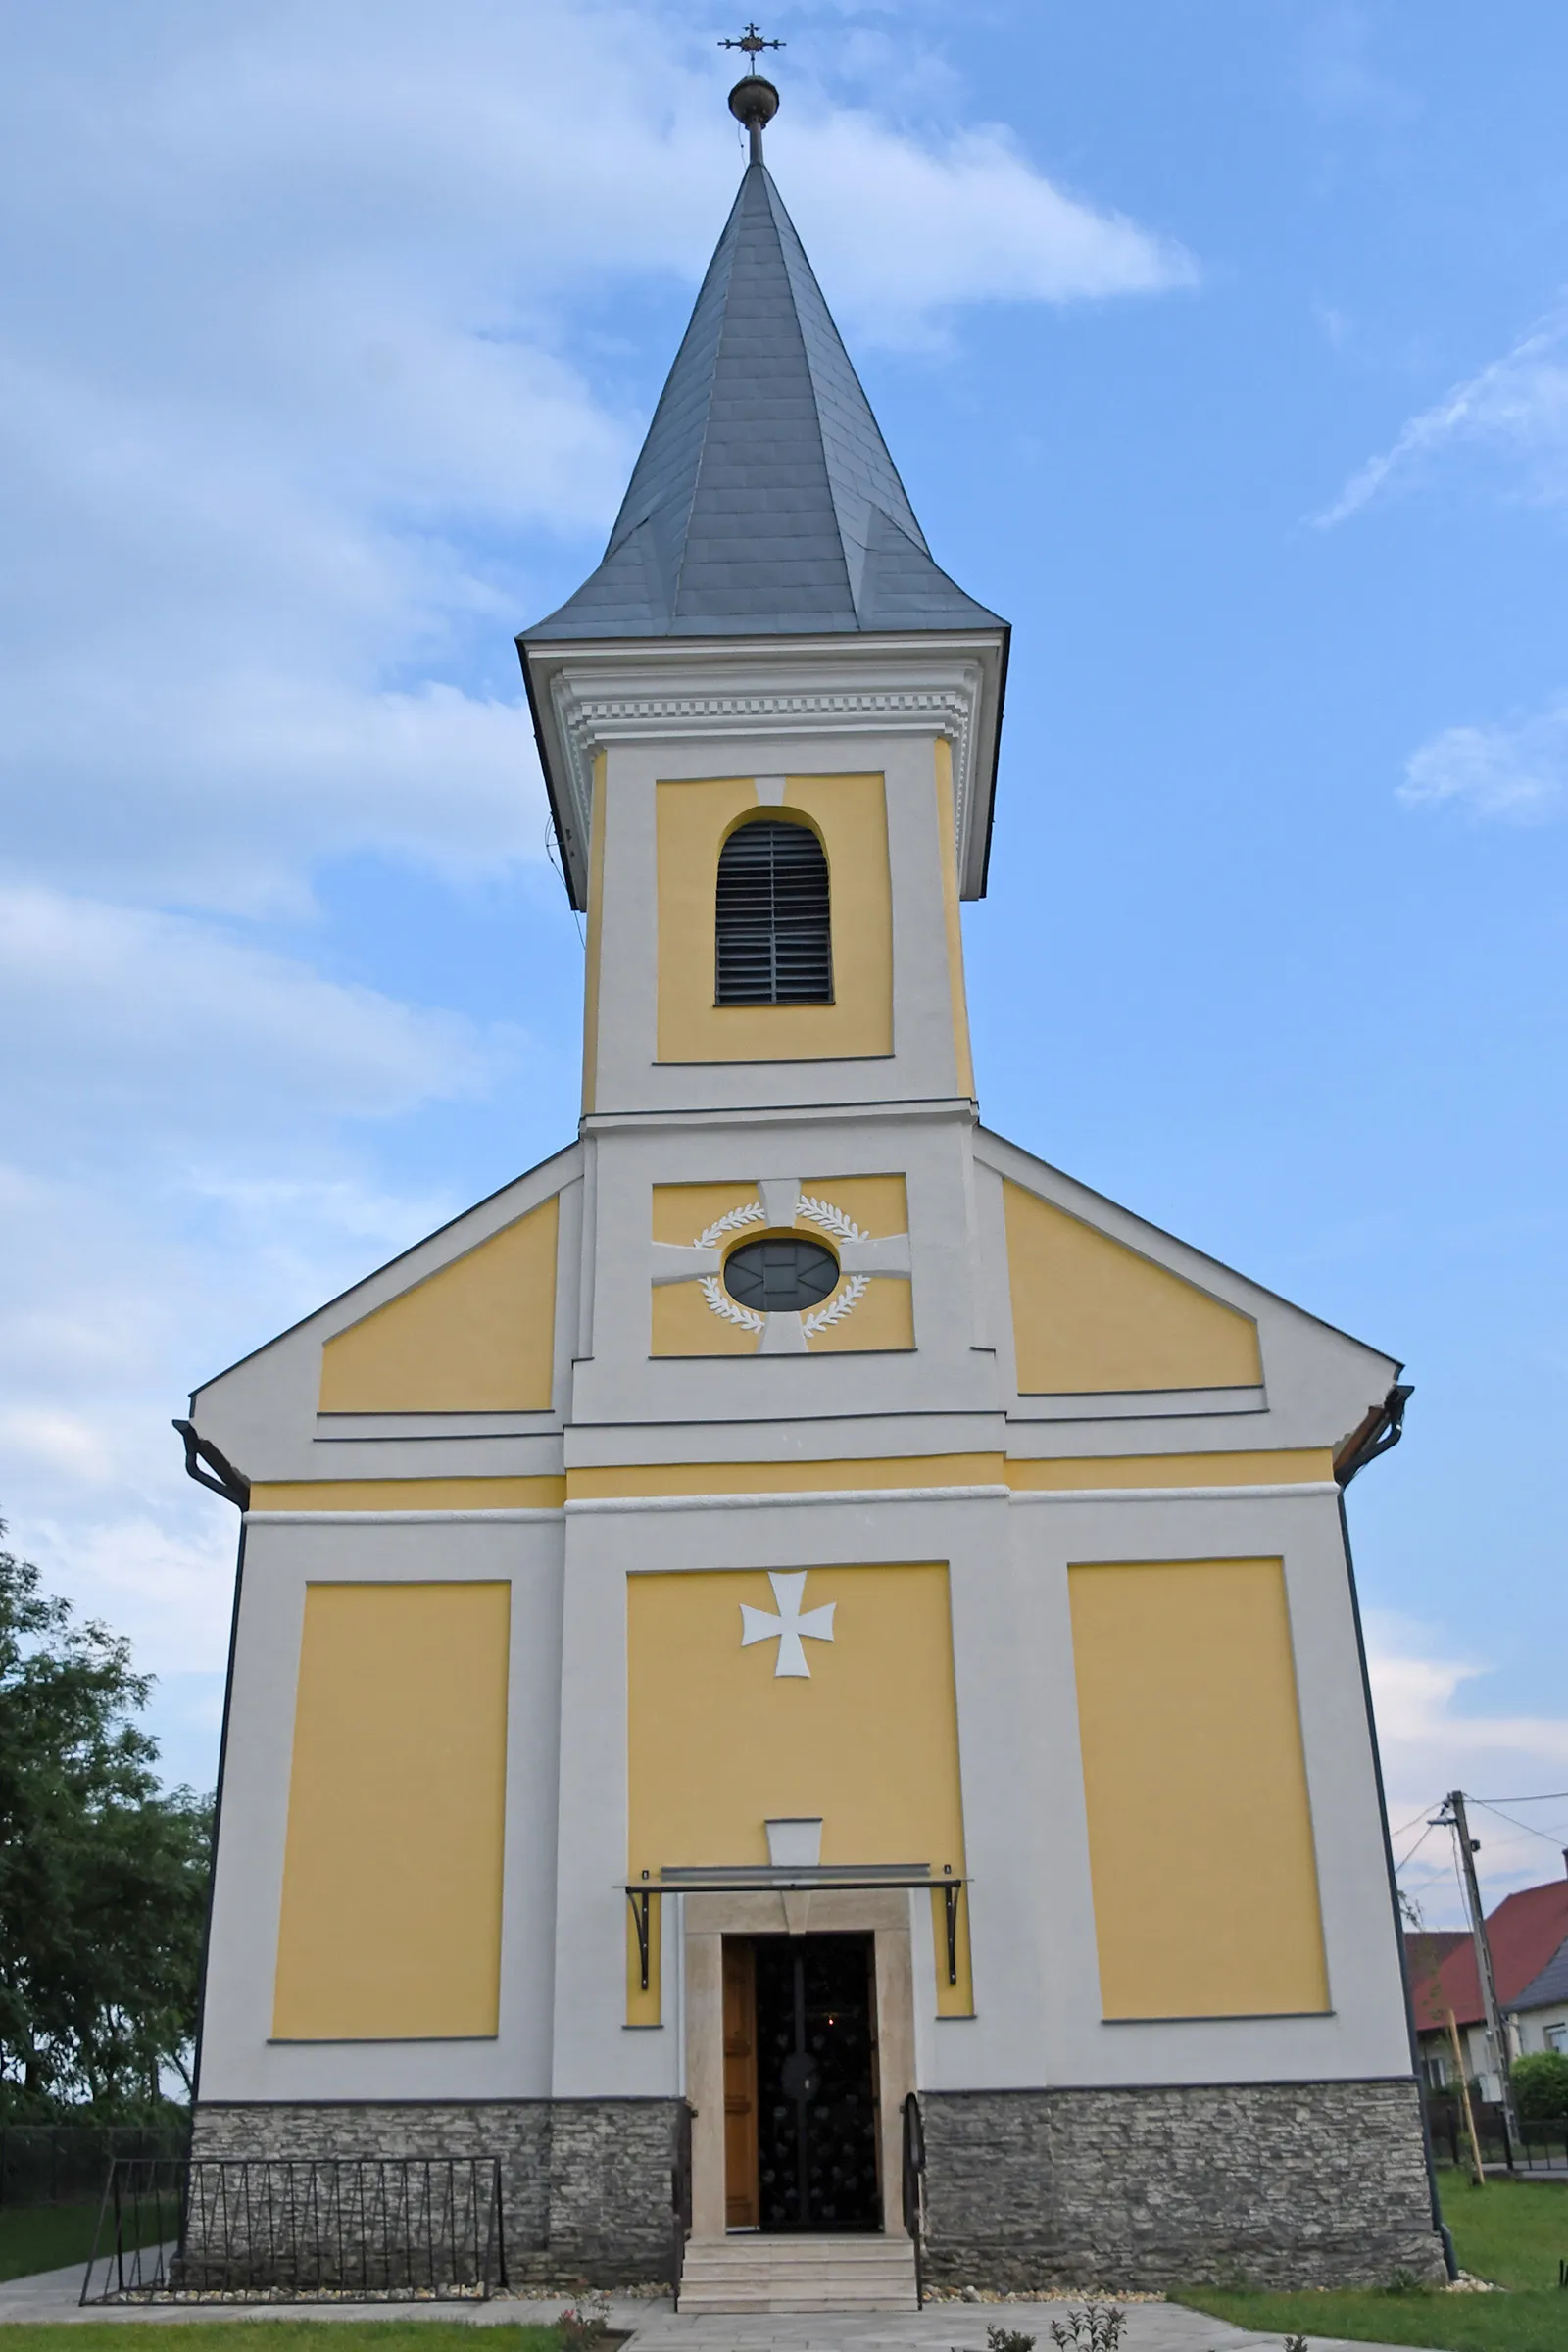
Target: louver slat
<point>773,935</point>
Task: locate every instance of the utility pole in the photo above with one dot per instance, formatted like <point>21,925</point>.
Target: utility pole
<point>1459,1822</point>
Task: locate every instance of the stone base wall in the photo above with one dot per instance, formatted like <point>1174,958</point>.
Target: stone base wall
<point>585,2183</point>
<point>1274,2185</point>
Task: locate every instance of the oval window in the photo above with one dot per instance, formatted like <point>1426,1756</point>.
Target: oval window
<point>781,1277</point>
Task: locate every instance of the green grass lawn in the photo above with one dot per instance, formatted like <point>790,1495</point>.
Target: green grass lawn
<point>1514,2232</point>
<point>280,2336</point>
<point>45,2237</point>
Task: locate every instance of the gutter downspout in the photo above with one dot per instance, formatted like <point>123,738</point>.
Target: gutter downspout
<point>235,1488</point>
<point>1380,1433</point>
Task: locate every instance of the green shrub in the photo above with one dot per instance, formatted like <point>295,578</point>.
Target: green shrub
<point>1541,2083</point>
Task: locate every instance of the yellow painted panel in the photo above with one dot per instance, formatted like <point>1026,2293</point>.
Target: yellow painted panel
<point>645,2008</point>
<point>1088,1315</point>
<point>720,1743</point>
<point>596,916</point>
<point>882,1317</point>
<point>684,1324</point>
<point>1199,1828</point>
<point>476,1337</point>
<point>391,1915</point>
<point>878,1205</point>
<point>948,846</point>
<point>1063,1475</point>
<point>684,1211</point>
<point>411,1494</point>
<point>850,813</point>
<point>786,1478</point>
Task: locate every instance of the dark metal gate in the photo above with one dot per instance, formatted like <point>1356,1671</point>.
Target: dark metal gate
<point>816,2082</point>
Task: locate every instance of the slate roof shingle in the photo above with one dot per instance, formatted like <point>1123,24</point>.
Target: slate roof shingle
<point>765,501</point>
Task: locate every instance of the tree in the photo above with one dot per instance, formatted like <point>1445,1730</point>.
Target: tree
<point>1541,2083</point>
<point>102,1875</point>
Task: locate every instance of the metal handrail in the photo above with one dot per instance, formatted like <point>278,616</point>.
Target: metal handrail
<point>913,2171</point>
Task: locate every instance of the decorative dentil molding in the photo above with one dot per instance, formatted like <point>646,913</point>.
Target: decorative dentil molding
<point>586,722</point>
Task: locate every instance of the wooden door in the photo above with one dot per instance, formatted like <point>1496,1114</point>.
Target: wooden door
<point>740,2084</point>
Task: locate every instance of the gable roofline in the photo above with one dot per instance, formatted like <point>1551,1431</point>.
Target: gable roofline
<point>1086,1193</point>
<point>568,1152</point>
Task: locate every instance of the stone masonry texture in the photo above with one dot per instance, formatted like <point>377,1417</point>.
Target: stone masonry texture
<point>585,2183</point>
<point>1280,2184</point>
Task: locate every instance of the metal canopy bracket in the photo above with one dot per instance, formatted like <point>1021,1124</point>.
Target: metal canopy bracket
<point>849,1878</point>
<point>949,1903</point>
<point>638,1898</point>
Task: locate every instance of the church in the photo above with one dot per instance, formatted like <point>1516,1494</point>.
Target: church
<point>797,1652</point>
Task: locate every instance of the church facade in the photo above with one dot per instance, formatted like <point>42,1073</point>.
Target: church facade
<point>796,1602</point>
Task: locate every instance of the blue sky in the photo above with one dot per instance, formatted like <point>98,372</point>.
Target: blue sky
<point>1224,349</point>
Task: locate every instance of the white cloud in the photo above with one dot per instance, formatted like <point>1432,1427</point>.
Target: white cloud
<point>164,1024</point>
<point>1518,773</point>
<point>1430,1742</point>
<point>321,375</point>
<point>311,365</point>
<point>900,232</point>
<point>1516,408</point>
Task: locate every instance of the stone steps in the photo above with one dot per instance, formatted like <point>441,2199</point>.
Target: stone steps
<point>798,2273</point>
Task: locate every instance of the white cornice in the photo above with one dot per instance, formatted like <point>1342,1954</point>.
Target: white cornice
<point>597,696</point>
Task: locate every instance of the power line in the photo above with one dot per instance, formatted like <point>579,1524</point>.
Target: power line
<point>1552,1836</point>
<point>1553,1797</point>
<point>1416,1848</point>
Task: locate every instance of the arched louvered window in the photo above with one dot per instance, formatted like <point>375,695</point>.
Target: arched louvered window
<point>773,942</point>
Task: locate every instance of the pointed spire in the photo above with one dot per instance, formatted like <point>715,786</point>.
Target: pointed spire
<point>764,501</point>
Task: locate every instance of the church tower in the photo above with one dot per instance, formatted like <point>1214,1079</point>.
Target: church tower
<point>796,1642</point>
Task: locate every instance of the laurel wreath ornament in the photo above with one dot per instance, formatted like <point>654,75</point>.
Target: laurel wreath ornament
<point>719,1299</point>
<point>830,1219</point>
<point>821,1213</point>
<point>837,1308</point>
<point>731,1222</point>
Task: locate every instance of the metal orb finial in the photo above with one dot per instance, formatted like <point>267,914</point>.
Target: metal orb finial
<point>753,101</point>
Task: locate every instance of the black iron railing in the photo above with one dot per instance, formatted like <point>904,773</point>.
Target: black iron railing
<point>1543,2140</point>
<point>914,2172</point>
<point>64,2164</point>
<point>230,2229</point>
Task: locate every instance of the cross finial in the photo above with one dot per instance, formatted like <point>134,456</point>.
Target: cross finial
<point>751,42</point>
<point>753,101</point>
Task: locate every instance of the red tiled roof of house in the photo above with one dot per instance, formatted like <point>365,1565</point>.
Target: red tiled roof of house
<point>1524,1931</point>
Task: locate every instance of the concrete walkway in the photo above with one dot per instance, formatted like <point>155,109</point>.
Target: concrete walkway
<point>51,2296</point>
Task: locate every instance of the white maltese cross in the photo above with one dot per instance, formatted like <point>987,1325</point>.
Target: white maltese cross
<point>760,1625</point>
